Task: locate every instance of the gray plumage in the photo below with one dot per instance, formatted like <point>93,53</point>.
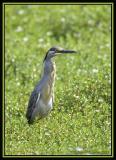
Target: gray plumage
<point>42,97</point>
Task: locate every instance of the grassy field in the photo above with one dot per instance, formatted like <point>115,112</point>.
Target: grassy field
<point>80,122</point>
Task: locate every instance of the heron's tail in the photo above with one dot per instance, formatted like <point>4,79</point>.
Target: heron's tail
<point>29,117</point>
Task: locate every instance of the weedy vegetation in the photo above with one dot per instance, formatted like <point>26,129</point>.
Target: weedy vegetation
<point>80,122</point>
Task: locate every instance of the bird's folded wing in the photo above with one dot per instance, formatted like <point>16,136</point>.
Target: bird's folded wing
<point>34,98</point>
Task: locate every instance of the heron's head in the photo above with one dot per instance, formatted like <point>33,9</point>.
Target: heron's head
<point>52,52</point>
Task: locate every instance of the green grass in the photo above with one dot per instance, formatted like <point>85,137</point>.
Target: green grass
<point>80,122</point>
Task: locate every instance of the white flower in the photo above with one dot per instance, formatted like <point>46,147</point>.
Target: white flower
<point>62,19</point>
<point>79,149</point>
<point>25,39</point>
<point>19,29</point>
<point>21,12</point>
<point>40,39</point>
<point>95,70</point>
<point>100,100</point>
<point>49,33</point>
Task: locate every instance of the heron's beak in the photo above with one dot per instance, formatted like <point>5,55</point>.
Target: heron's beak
<point>66,51</point>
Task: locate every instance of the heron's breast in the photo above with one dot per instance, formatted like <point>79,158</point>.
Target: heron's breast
<point>44,108</point>
<point>46,93</point>
<point>44,105</point>
<point>47,90</point>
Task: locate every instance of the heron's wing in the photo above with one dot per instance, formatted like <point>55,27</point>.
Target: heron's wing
<point>34,98</point>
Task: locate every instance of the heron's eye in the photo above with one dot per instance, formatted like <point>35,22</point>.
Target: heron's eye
<point>53,49</point>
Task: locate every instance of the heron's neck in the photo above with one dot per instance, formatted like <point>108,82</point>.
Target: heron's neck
<point>49,67</point>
